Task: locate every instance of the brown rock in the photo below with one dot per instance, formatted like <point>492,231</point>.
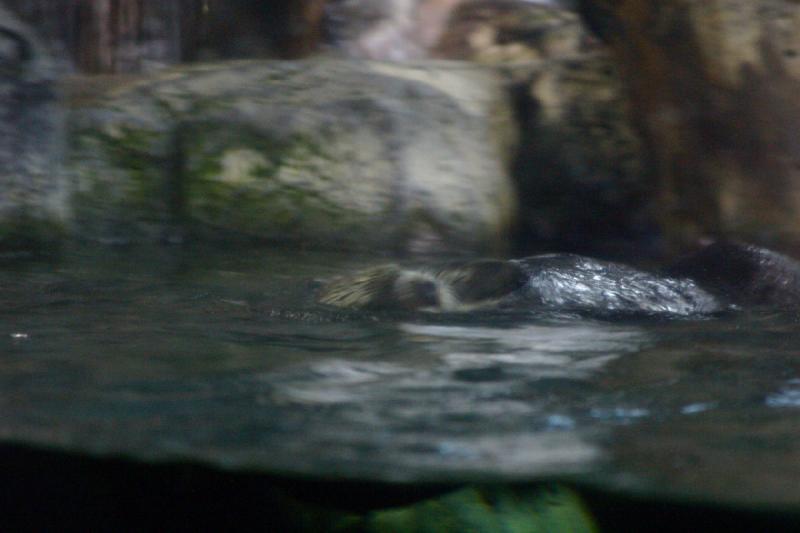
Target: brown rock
<point>581,172</point>
<point>715,87</point>
<point>508,31</point>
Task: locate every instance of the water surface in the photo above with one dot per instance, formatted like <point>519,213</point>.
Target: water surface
<point>224,357</point>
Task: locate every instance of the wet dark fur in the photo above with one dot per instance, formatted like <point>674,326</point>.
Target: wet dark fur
<point>743,274</point>
<point>721,276</point>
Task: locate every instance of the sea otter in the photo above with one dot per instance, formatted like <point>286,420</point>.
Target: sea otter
<point>722,276</point>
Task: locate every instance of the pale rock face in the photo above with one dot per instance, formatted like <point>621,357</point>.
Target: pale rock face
<point>407,30</point>
<point>320,153</point>
<point>393,30</point>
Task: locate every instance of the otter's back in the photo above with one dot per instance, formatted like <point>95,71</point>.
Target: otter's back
<point>572,282</point>
<point>744,274</point>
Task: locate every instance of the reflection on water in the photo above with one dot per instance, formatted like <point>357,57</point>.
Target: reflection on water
<point>570,350</point>
<point>225,357</point>
<point>466,401</point>
<point>787,396</point>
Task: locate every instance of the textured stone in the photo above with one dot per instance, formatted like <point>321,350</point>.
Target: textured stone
<point>32,202</point>
<point>322,153</point>
<point>513,31</point>
<point>715,88</point>
<point>581,170</point>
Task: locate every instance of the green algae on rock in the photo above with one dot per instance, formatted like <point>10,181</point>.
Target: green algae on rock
<point>119,178</point>
<point>319,153</point>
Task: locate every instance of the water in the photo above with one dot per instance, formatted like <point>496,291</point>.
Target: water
<point>224,357</point>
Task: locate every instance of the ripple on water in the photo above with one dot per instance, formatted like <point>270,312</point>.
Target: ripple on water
<point>535,351</point>
<point>499,358</point>
<point>788,396</point>
<point>463,406</point>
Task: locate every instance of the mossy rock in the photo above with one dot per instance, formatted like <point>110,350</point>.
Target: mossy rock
<point>121,180</point>
<point>323,153</point>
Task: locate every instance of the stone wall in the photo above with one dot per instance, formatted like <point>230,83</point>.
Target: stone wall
<point>32,197</point>
<point>715,91</point>
<point>317,153</point>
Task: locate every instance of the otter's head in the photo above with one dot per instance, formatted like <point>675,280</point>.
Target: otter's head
<point>389,287</point>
